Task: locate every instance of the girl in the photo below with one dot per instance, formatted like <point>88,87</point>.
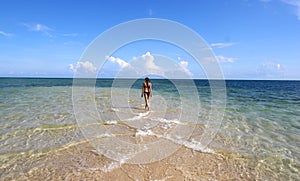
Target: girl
<point>147,92</point>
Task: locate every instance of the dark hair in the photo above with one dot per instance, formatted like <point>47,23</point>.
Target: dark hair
<point>147,79</point>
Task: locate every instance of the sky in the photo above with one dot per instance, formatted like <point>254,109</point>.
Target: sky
<point>250,39</point>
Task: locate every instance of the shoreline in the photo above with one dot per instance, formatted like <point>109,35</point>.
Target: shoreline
<point>78,161</point>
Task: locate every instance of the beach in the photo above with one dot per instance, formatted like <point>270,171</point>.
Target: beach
<point>43,139</point>
<point>77,162</point>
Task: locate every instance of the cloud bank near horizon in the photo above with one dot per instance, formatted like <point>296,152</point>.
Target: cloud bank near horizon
<point>146,64</point>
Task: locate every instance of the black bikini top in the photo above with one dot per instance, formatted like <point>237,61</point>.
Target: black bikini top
<point>147,85</point>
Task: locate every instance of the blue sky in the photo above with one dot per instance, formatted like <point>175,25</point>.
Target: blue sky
<point>252,39</point>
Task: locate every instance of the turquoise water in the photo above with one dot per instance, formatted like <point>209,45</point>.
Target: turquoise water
<point>261,123</point>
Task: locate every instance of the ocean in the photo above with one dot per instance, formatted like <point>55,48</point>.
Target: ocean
<point>103,131</point>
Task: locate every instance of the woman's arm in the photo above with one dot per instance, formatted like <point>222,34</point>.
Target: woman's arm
<point>143,90</point>
<point>150,89</point>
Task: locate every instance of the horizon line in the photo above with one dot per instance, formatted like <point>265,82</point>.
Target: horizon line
<point>154,78</point>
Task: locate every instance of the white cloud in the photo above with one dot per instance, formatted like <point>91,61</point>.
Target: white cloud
<point>71,66</point>
<point>39,28</point>
<point>70,34</point>
<point>119,61</point>
<point>220,59</point>
<point>148,64</point>
<point>296,4</point>
<point>226,59</point>
<point>83,67</point>
<point>221,45</point>
<point>5,34</point>
<point>159,65</point>
<point>271,69</point>
<point>278,66</point>
<point>207,59</point>
<point>184,66</point>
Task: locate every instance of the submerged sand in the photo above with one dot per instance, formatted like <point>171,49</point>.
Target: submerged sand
<point>79,162</point>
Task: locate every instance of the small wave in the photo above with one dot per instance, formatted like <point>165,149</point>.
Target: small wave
<point>112,122</point>
<point>115,109</point>
<point>192,144</point>
<point>144,114</point>
<point>106,168</point>
<point>163,120</point>
<point>139,116</point>
<point>166,123</point>
<point>106,135</point>
<point>112,166</point>
<point>144,133</point>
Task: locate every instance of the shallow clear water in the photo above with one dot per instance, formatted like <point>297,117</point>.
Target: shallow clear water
<point>261,120</point>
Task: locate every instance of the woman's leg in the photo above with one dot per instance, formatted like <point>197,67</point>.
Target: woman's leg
<point>146,95</point>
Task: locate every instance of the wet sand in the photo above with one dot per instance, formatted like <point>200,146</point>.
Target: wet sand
<point>79,162</point>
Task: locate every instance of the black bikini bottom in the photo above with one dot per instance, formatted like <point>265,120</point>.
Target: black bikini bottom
<point>148,93</point>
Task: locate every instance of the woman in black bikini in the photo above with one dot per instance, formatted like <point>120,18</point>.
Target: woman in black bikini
<point>147,92</point>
